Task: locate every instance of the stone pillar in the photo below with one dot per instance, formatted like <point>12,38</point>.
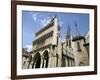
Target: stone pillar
<point>49,62</point>
<point>59,52</point>
<point>67,62</point>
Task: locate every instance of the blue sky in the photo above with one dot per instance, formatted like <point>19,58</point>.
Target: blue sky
<point>32,21</point>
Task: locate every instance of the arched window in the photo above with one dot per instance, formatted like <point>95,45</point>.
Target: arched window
<point>45,59</point>
<point>37,60</point>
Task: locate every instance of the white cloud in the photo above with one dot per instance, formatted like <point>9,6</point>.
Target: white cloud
<point>60,23</point>
<point>41,21</point>
<point>34,16</point>
<point>29,47</point>
<point>44,21</point>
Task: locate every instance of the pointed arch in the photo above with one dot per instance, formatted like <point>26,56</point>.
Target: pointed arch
<point>45,59</point>
<point>37,60</point>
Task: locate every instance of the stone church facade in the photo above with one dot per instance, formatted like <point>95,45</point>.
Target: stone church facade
<point>49,51</point>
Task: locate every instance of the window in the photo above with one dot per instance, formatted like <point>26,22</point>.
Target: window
<point>69,43</point>
<point>57,40</point>
<point>45,59</point>
<point>78,46</point>
<point>66,43</point>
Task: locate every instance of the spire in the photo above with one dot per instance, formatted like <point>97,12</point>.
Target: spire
<point>77,32</point>
<point>53,18</point>
<point>68,35</point>
<point>78,36</point>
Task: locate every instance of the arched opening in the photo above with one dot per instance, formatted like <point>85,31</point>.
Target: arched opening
<point>45,59</point>
<point>37,60</point>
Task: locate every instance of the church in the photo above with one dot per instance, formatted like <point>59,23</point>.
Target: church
<point>48,51</point>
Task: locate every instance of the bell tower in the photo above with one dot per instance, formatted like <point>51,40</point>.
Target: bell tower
<point>68,56</point>
<point>68,37</point>
<point>81,55</point>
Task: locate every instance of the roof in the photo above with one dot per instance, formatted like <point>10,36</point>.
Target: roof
<point>78,38</point>
<point>50,24</point>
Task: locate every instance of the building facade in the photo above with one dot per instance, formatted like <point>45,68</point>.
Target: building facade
<point>25,58</point>
<point>49,51</point>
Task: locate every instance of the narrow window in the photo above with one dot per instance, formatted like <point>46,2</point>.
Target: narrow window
<point>78,46</point>
<point>57,40</point>
<point>69,43</point>
<point>66,43</point>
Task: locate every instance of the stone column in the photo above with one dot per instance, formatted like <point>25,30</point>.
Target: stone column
<point>49,61</point>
